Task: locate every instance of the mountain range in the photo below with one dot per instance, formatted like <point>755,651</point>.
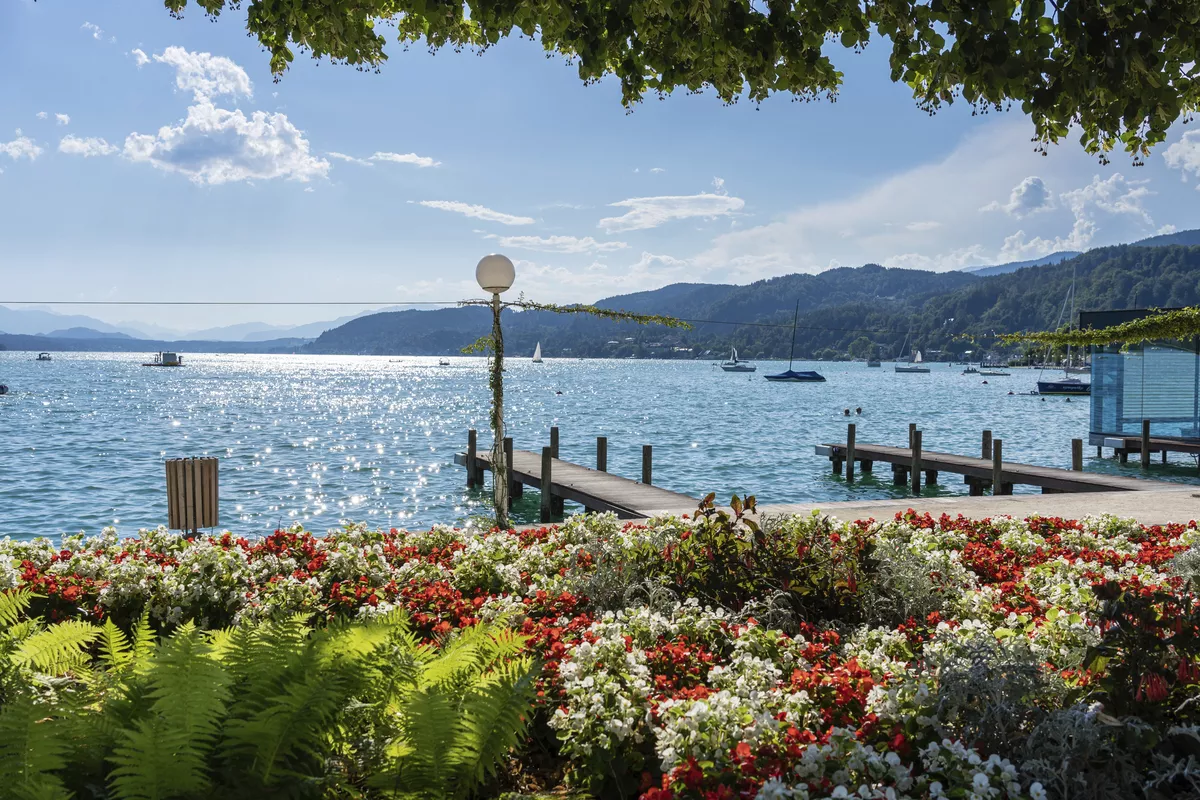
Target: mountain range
<point>841,312</point>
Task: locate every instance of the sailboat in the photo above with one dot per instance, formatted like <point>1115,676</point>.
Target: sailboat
<point>537,353</point>
<point>735,364</point>
<point>917,366</point>
<point>1067,385</point>
<point>796,376</point>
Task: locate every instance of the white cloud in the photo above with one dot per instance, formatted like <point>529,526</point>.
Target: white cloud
<point>558,244</point>
<point>478,212</point>
<point>1184,155</point>
<point>650,212</point>
<point>206,75</point>
<point>657,169</point>
<point>1114,197</point>
<point>42,115</point>
<point>92,29</point>
<point>214,145</point>
<point>406,158</point>
<point>139,57</point>
<point>63,119</point>
<point>91,146</point>
<point>1028,197</point>
<point>343,157</point>
<point>20,147</point>
<point>923,225</point>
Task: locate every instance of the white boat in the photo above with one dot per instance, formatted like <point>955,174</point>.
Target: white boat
<point>735,364</point>
<point>917,366</point>
<point>44,357</point>
<point>537,353</point>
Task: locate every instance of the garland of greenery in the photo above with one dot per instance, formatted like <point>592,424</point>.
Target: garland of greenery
<point>1182,323</point>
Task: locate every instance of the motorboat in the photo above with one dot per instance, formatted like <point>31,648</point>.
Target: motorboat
<point>791,375</point>
<point>1067,386</point>
<point>970,371</point>
<point>994,373</point>
<point>165,359</point>
<point>735,364</point>
<point>44,357</point>
<point>443,362</point>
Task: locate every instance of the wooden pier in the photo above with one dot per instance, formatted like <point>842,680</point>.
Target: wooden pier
<point>595,489</point>
<point>989,471</point>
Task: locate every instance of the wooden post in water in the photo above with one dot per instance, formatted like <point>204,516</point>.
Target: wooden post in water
<point>1077,455</point>
<point>1145,444</point>
<point>556,503</point>
<point>602,453</point>
<point>193,494</point>
<point>998,468</point>
<point>915,475</point>
<point>547,482</point>
<point>850,453</point>
<point>472,453</point>
<point>515,487</point>
<point>647,464</point>
<point>912,429</point>
<point>987,444</point>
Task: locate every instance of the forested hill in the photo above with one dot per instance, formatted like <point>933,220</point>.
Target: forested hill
<point>842,312</point>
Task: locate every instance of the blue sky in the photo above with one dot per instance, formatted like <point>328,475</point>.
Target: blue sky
<point>179,169</point>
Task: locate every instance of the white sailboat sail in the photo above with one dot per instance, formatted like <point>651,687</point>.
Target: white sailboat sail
<point>917,358</point>
<point>537,353</point>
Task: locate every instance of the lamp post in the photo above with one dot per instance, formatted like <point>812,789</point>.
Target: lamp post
<point>495,274</point>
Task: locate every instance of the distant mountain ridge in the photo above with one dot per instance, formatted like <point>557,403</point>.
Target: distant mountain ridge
<point>1186,238</point>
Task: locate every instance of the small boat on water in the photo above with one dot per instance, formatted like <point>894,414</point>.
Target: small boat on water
<point>970,371</point>
<point>443,362</point>
<point>537,354</point>
<point>994,373</point>
<point>791,375</point>
<point>165,359</point>
<point>44,357</point>
<point>916,366</point>
<point>874,362</point>
<point>735,364</point>
<point>1067,386</point>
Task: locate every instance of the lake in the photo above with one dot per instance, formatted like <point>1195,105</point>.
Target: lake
<point>319,439</point>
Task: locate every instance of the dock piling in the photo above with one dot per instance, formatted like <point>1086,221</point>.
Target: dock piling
<point>912,429</point>
<point>547,482</point>
<point>554,442</point>
<point>1145,444</point>
<point>998,484</point>
<point>850,453</point>
<point>1077,455</point>
<point>472,450</point>
<point>515,488</point>
<point>602,453</point>
<point>987,444</point>
<point>915,473</point>
<point>647,464</point>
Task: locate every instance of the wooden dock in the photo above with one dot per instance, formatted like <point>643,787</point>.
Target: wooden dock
<point>978,473</point>
<point>595,489</point>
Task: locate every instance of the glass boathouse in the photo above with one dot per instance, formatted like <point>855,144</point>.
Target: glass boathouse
<point>1153,380</point>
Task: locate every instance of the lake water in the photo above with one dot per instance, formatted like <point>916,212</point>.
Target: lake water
<point>321,439</point>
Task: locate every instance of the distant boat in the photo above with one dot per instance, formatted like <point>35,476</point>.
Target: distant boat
<point>44,357</point>
<point>165,359</point>
<point>873,362</point>
<point>994,373</point>
<point>1082,370</point>
<point>1068,385</point>
<point>1065,386</point>
<point>735,364</point>
<point>970,371</point>
<point>791,375</point>
<point>537,353</point>
<point>443,362</point>
<point>916,366</point>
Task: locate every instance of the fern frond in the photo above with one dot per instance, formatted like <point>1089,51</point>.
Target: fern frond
<point>13,604</point>
<point>149,767</point>
<point>492,720</point>
<point>31,751</point>
<point>419,764</point>
<point>143,640</point>
<point>115,650</point>
<point>58,649</point>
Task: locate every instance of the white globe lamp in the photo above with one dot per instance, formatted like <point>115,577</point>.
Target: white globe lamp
<point>495,273</point>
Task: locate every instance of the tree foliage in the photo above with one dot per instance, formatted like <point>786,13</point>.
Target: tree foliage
<point>1122,72</point>
<point>1183,323</point>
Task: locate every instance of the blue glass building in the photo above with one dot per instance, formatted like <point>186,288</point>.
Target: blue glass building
<point>1157,381</point>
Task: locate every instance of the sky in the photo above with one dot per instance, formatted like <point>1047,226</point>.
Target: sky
<point>149,158</point>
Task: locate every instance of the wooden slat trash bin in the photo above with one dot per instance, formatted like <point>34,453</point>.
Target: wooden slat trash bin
<point>192,494</point>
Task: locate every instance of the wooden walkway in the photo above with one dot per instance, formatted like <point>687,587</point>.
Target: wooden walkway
<point>594,489</point>
<point>979,472</point>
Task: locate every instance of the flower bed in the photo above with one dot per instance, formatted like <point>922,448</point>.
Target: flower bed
<point>708,658</point>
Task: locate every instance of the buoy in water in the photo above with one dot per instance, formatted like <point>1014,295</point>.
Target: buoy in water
<point>3,389</point>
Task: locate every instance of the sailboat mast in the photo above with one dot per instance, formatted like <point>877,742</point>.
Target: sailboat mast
<point>795,319</point>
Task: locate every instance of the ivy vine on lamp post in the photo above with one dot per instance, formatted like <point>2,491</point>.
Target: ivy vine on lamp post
<point>495,274</point>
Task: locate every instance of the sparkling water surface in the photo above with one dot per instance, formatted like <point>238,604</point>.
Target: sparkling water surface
<point>323,439</point>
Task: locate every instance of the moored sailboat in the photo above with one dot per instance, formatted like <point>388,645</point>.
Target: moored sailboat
<point>791,375</point>
<point>735,364</point>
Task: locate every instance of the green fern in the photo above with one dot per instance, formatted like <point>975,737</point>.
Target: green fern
<point>13,605</point>
<point>58,649</point>
<point>31,752</point>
